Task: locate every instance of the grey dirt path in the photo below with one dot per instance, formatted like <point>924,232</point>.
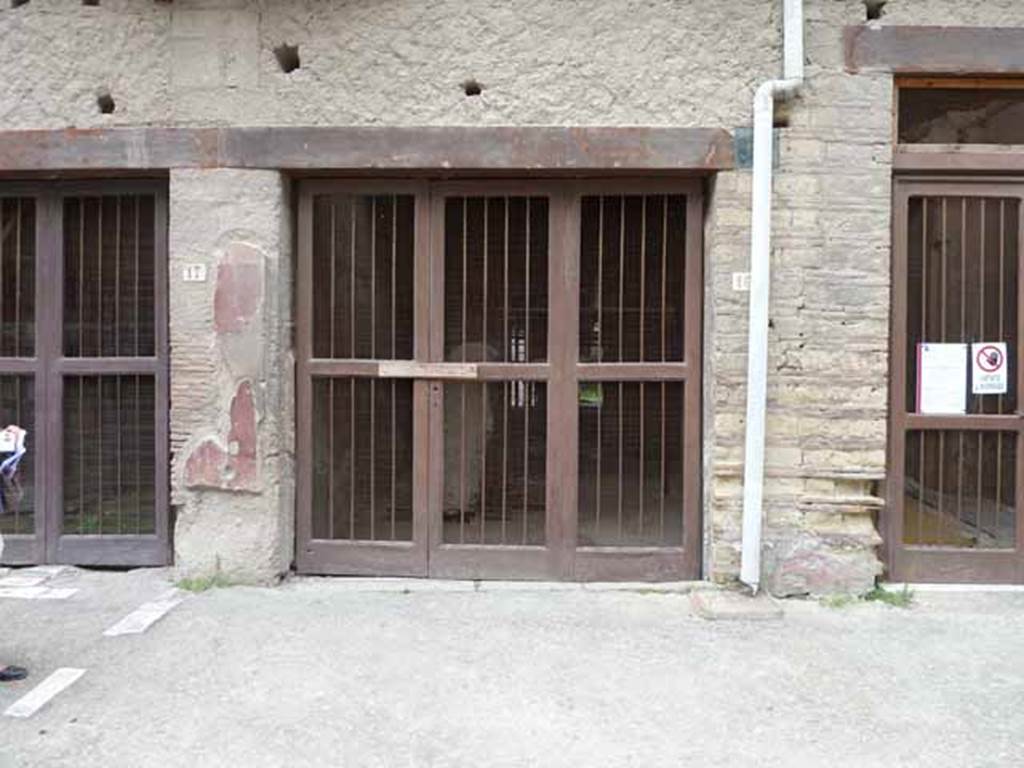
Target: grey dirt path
<point>333,673</point>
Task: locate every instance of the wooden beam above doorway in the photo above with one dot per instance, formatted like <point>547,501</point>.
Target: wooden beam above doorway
<point>365,149</point>
<point>935,50</point>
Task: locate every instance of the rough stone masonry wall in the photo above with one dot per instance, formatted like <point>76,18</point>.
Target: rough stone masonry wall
<point>614,62</point>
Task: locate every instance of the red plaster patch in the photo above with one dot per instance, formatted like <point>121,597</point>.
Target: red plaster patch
<point>236,469</point>
<point>239,291</point>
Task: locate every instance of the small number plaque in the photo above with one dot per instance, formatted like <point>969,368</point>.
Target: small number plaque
<point>194,273</point>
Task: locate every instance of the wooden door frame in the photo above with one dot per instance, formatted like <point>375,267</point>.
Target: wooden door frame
<point>367,558</point>
<point>559,557</point>
<point>939,563</point>
<point>49,366</point>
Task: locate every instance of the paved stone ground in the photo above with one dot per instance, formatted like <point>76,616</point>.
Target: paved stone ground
<point>334,673</point>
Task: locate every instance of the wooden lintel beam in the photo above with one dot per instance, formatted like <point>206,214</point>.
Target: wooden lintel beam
<point>562,149</point>
<point>935,50</point>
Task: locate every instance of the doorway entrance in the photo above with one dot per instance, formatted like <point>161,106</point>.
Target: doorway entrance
<point>955,464</point>
<point>499,379</point>
<point>83,370</point>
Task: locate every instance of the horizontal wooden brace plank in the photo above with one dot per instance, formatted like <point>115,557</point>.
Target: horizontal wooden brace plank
<point>935,50</point>
<point>958,157</point>
<point>966,422</point>
<point>632,371</point>
<point>355,148</point>
<point>107,366</point>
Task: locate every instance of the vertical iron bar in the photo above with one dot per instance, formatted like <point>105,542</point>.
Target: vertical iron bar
<point>373,454</point>
<point>81,453</point>
<point>504,456</point>
<point>120,487</point>
<point>99,283</point>
<point>352,443</point>
<point>17,286</point>
<point>462,387</point>
<point>620,483</point>
<point>664,278</point>
<point>622,311</point>
<point>643,283</point>
<point>138,453</point>
<point>641,452</point>
<point>661,489</point>
<point>525,386</point>
<point>373,322</point>
<point>81,279</point>
<point>622,275</point>
<point>484,387</point>
<point>600,354</point>
<point>352,305</point>
<point>462,452</point>
<point>505,340</point>
<point>526,456</point>
<point>1002,288</point>
<point>963,339</point>
<point>465,284</point>
<point>117,351</point>
<point>394,355</point>
<point>483,456</point>
<point>117,281</point>
<point>334,291</point>
<point>330,447</point>
<point>529,255</point>
<point>101,431</point>
<point>600,296</point>
<point>924,337</point>
<point>138,221</point>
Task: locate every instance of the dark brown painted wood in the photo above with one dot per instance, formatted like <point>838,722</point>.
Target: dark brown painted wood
<point>559,556</point>
<point>446,149</point>
<point>973,158</point>
<point>51,543</point>
<point>935,50</point>
<point>906,562</point>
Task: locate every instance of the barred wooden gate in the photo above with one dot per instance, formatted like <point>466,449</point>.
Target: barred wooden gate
<point>955,479</point>
<point>499,379</point>
<point>83,368</point>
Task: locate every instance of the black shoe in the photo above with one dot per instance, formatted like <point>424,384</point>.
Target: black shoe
<point>10,674</point>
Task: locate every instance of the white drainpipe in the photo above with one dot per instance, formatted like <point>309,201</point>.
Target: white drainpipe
<point>760,258</point>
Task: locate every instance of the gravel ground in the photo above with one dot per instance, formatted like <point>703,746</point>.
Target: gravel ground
<point>329,672</point>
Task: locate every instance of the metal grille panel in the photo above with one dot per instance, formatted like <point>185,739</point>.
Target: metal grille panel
<point>962,264</point>
<point>17,276</point>
<point>17,494</point>
<point>496,279</point>
<point>631,463</point>
<point>362,459</point>
<point>363,254</point>
<point>495,452</point>
<point>109,455</point>
<point>632,278</point>
<point>960,489</point>
<point>109,281</point>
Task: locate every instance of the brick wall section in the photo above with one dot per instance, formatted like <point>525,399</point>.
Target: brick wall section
<point>231,374</point>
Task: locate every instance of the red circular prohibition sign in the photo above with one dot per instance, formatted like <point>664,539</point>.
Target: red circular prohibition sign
<point>990,359</point>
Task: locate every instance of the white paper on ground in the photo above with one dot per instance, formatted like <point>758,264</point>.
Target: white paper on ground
<point>146,615</point>
<point>19,580</point>
<point>57,593</point>
<point>941,378</point>
<point>35,699</point>
<point>24,593</point>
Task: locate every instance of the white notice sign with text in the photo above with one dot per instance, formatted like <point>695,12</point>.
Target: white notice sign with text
<point>941,378</point>
<point>988,368</point>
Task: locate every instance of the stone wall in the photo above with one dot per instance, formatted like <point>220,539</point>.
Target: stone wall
<point>615,62</point>
<point>231,374</point>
